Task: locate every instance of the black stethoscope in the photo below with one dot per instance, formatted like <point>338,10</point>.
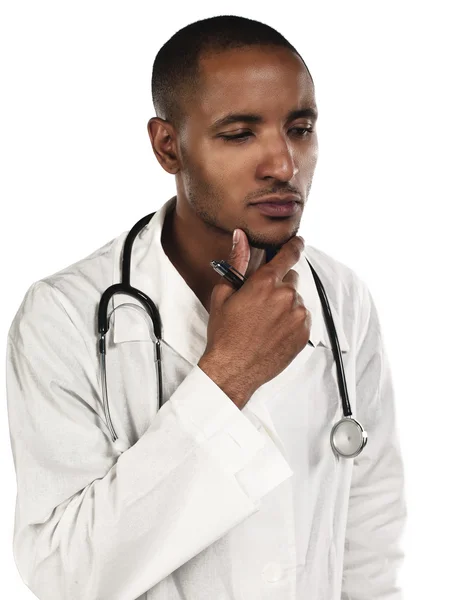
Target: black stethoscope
<point>347,437</point>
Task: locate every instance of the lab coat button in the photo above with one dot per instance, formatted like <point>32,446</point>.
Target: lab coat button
<point>272,572</point>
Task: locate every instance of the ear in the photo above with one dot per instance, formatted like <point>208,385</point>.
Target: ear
<point>163,139</point>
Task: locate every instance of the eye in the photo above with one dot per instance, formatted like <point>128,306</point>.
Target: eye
<point>302,132</point>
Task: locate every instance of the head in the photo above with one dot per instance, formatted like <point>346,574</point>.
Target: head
<point>206,71</point>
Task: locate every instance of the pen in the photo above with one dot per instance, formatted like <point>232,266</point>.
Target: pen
<point>233,275</point>
<point>229,272</point>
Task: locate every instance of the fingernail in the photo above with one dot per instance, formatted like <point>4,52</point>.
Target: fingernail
<point>235,237</point>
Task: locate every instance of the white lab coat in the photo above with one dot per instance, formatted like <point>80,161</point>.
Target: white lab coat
<point>199,500</point>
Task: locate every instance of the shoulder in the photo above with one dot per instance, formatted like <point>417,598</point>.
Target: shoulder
<point>91,274</point>
<point>70,296</point>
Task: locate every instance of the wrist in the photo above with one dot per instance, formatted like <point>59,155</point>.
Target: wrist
<point>227,381</point>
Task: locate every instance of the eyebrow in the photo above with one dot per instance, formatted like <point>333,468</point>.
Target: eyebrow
<point>257,119</point>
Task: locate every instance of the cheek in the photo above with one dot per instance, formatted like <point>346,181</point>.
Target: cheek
<point>313,152</point>
<point>223,164</point>
<point>195,167</point>
<point>307,159</point>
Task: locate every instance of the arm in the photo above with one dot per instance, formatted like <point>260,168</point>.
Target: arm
<point>377,509</point>
<point>96,523</point>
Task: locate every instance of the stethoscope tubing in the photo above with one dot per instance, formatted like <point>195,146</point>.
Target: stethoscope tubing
<point>343,432</point>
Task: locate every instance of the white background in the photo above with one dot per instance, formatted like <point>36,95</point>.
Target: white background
<point>78,169</point>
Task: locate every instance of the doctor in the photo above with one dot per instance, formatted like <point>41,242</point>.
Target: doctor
<point>230,490</point>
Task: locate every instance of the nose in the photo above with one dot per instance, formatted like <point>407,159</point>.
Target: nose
<point>278,161</point>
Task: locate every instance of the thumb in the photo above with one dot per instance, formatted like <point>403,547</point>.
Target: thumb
<point>238,258</point>
<point>240,252</point>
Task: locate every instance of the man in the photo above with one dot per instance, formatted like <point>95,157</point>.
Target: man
<point>230,489</point>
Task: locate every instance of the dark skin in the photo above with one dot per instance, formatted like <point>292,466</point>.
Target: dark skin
<point>217,179</point>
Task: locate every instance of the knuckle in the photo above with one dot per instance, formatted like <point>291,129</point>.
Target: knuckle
<point>294,276</point>
<point>305,314</point>
<point>270,278</point>
<point>288,295</point>
<point>301,310</point>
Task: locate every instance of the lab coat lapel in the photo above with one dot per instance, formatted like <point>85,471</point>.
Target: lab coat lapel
<point>184,319</point>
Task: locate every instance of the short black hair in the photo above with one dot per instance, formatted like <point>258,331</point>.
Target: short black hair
<point>176,72</point>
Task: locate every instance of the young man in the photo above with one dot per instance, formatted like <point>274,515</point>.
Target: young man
<point>231,488</point>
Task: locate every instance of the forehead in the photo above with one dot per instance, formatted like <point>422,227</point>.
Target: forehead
<point>263,79</point>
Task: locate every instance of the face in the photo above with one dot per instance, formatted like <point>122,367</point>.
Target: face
<point>225,167</point>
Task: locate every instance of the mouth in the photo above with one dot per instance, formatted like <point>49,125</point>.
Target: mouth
<point>278,208</point>
<point>279,199</point>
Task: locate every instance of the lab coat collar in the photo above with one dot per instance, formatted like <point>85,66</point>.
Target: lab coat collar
<point>184,318</point>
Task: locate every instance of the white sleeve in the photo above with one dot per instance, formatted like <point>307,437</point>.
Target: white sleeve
<point>96,523</point>
<point>377,508</point>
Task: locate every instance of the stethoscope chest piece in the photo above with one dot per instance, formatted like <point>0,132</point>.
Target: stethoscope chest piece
<point>348,438</point>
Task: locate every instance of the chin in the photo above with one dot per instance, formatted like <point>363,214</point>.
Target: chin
<point>273,244</point>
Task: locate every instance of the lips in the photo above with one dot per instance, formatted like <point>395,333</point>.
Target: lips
<point>278,209</point>
<point>278,199</point>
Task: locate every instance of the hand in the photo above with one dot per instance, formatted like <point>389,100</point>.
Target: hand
<point>255,332</point>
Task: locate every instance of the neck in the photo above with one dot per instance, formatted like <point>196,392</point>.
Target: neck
<point>192,260</point>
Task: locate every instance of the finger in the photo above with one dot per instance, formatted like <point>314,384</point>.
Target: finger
<point>286,258</point>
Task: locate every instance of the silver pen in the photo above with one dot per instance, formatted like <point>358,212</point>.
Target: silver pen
<point>229,272</point>
<point>233,275</point>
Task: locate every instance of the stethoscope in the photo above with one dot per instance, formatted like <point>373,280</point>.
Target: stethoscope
<point>347,437</point>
